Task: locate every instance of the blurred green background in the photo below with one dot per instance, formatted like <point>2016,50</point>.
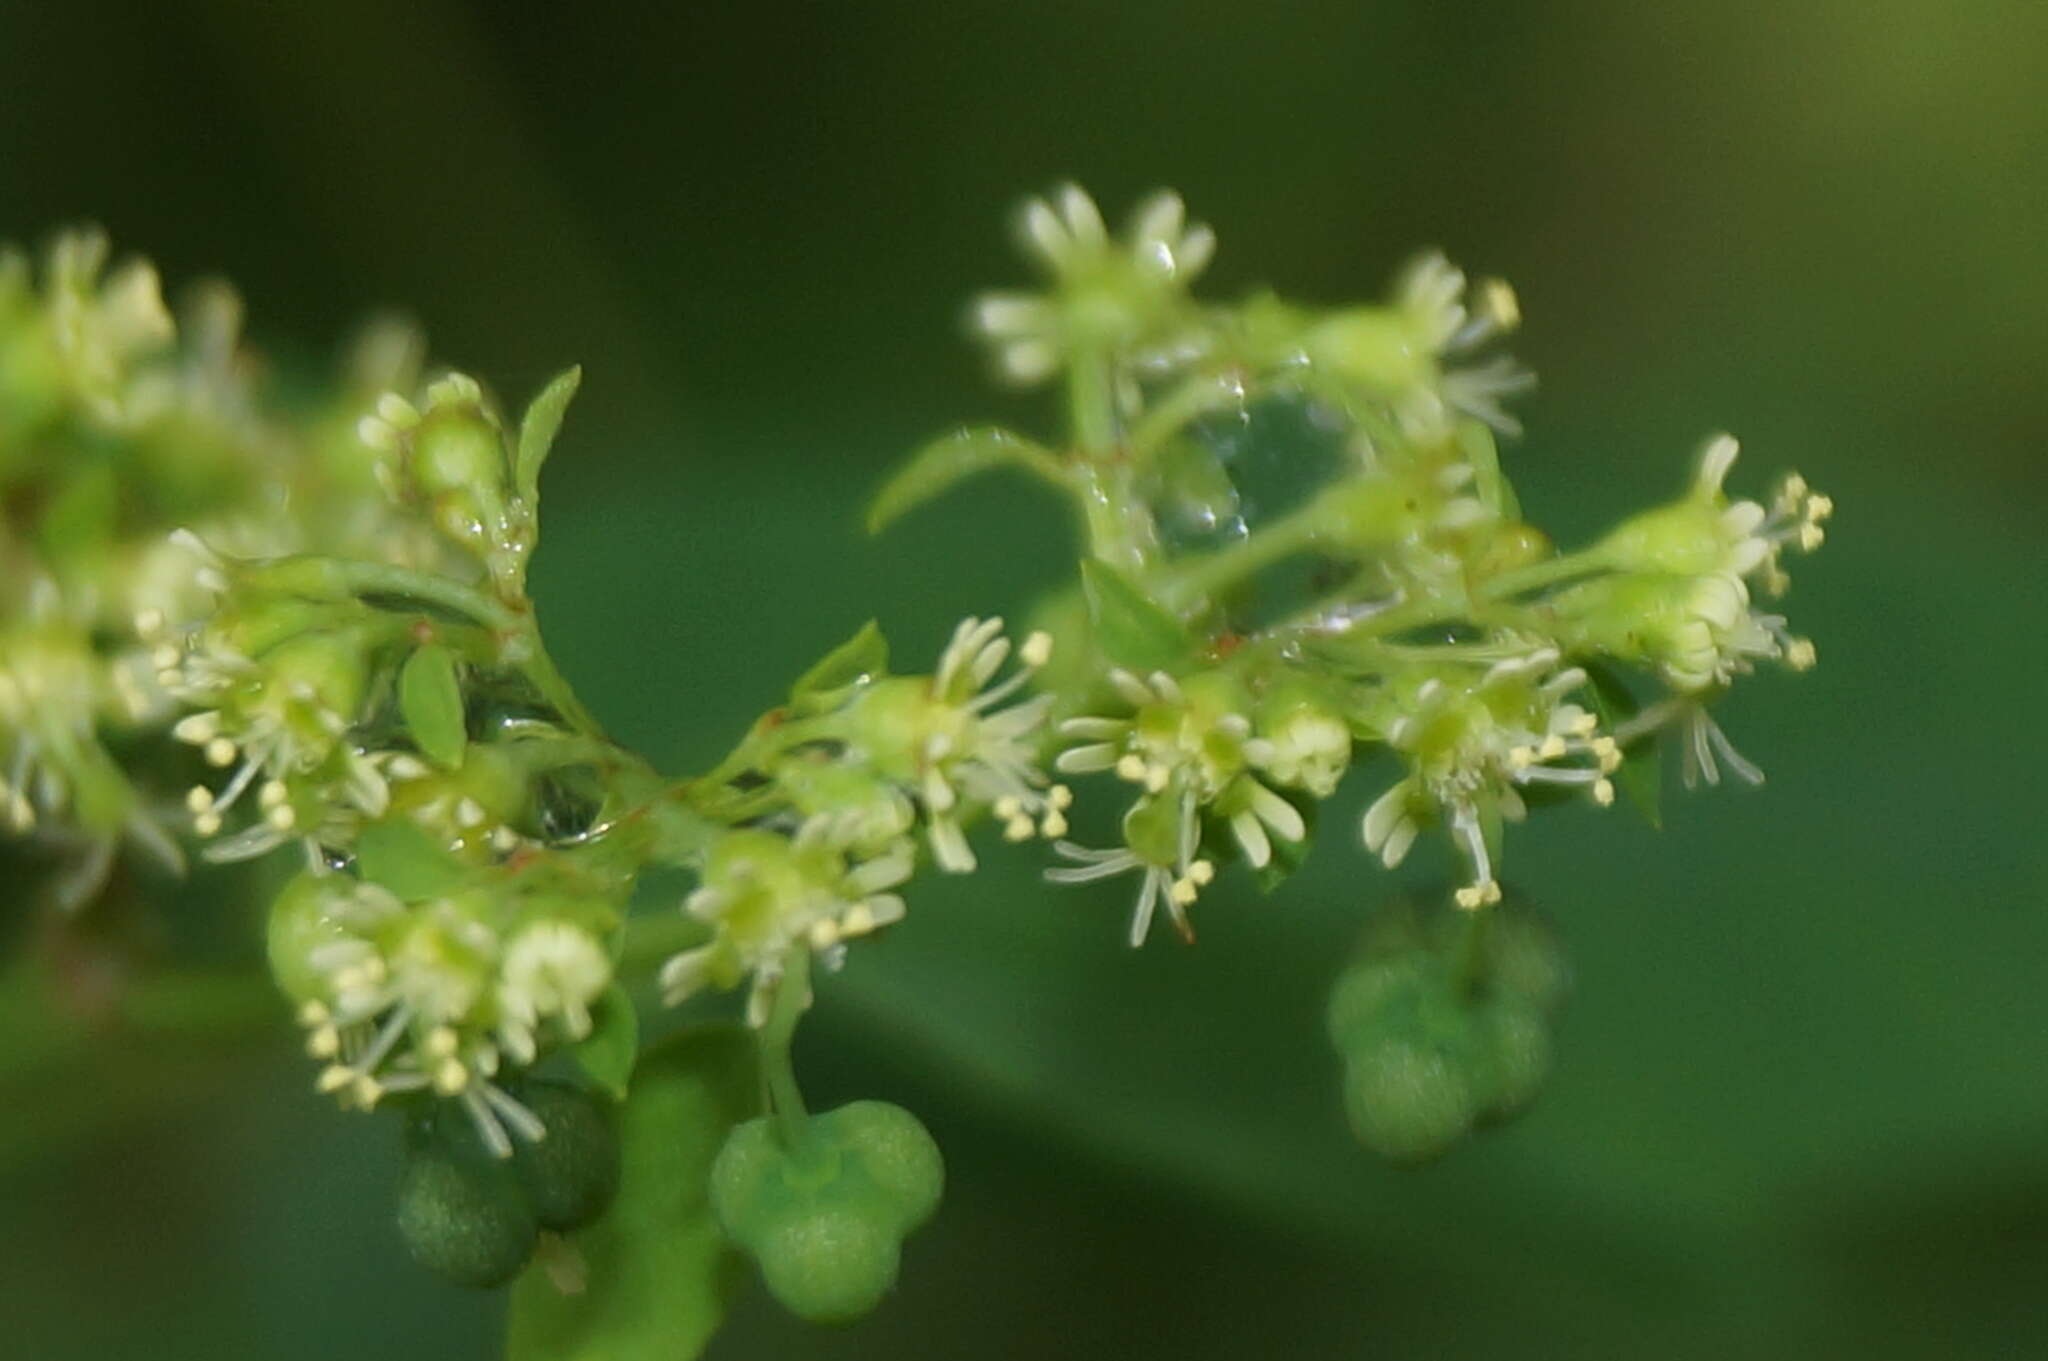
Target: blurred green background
<point>1803,1094</point>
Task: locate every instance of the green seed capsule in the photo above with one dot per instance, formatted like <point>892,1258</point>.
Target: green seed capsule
<point>824,1209</point>
<point>829,1263</point>
<point>1410,1101</point>
<point>1516,1039</point>
<point>896,1152</point>
<point>572,1175</point>
<point>465,1220</point>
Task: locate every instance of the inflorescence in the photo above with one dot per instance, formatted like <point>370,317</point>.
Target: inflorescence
<point>188,655</point>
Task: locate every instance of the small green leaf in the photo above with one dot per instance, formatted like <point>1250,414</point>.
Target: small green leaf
<point>656,1271</point>
<point>430,698</point>
<point>608,1051</point>
<point>860,657</point>
<point>945,461</point>
<point>540,424</point>
<point>1489,483</point>
<point>404,859</point>
<point>1641,775</point>
<point>1129,629</point>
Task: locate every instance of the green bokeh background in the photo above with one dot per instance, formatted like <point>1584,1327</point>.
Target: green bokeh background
<point>1803,1097</point>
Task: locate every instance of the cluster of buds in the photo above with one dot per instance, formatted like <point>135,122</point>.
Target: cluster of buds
<point>1473,741</point>
<point>1198,751</point>
<point>443,989</point>
<point>860,769</point>
<point>1106,295</point>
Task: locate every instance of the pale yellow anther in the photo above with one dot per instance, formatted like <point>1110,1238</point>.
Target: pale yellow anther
<point>1552,748</point>
<point>198,799</point>
<point>1008,806</point>
<point>1498,301</point>
<point>1037,649</point>
<point>1585,725</point>
<point>1603,792</point>
<point>272,794</point>
<point>1053,823</point>
<point>1800,654</point>
<point>1521,758</point>
<point>1059,796</point>
<point>1018,828</point>
<point>368,1092</point>
<point>1469,897</point>
<point>450,1077</point>
<point>314,1012</point>
<point>165,657</point>
<point>858,921</point>
<point>220,752</point>
<point>1819,507</point>
<point>324,1043</point>
<point>1183,892</point>
<point>149,622</point>
<point>442,1041</point>
<point>1131,766</point>
<point>1202,872</point>
<point>207,824</point>
<point>1811,536</point>
<point>283,817</point>
<point>1156,776</point>
<point>334,1078</point>
<point>824,934</point>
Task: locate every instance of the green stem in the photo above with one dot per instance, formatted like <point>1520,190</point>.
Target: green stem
<point>1196,397</point>
<point>1468,957</point>
<point>1091,406</point>
<point>1546,573</point>
<point>1212,572</point>
<point>554,687</point>
<point>348,576</point>
<point>792,995</point>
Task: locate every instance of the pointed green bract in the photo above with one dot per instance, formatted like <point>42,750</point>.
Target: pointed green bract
<point>862,657</point>
<point>1128,628</point>
<point>610,1050</point>
<point>430,697</point>
<point>948,460</point>
<point>538,428</point>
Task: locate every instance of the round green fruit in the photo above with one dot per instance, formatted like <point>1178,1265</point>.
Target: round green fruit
<point>829,1263</point>
<point>1409,1100</point>
<point>465,1220</point>
<point>572,1175</point>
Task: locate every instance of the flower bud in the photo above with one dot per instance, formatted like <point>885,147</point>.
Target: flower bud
<point>300,925</point>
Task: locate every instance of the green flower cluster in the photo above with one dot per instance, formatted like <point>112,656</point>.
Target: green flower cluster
<point>118,425</point>
<point>317,624</point>
<point>1436,624</point>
